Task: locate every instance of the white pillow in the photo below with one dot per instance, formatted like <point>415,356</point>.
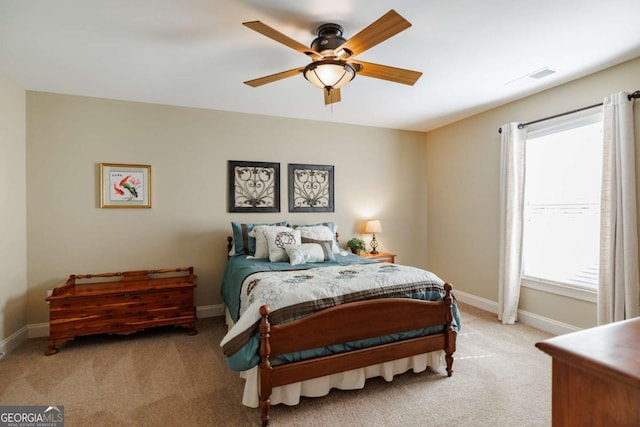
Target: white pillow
<point>320,232</point>
<point>262,247</point>
<point>278,241</point>
<point>307,252</point>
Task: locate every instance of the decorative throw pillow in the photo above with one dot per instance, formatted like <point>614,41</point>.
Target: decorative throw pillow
<point>324,231</point>
<point>329,243</point>
<point>278,241</point>
<point>262,247</point>
<point>243,244</point>
<point>309,252</point>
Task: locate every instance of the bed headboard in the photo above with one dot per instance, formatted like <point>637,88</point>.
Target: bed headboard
<point>229,245</point>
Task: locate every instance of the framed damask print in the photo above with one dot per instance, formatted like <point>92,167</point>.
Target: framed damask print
<point>311,188</point>
<point>253,186</point>
<point>125,186</point>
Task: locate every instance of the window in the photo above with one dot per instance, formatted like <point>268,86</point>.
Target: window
<point>561,228</point>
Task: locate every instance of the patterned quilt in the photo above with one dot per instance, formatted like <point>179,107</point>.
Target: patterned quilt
<point>293,294</point>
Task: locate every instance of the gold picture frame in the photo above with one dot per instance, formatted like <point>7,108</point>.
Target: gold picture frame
<point>125,186</point>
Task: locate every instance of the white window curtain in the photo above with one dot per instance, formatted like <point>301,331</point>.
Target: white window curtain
<point>512,176</point>
<point>619,291</point>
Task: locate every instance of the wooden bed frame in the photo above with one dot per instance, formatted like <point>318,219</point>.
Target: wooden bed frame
<point>365,319</point>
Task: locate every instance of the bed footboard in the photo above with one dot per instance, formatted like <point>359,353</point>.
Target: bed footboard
<point>365,319</point>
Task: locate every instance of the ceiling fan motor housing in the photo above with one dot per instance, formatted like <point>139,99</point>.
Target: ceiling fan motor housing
<point>329,38</point>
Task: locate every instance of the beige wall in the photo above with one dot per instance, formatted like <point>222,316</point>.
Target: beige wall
<point>463,164</point>
<point>438,201</point>
<point>188,149</point>
<point>13,199</point>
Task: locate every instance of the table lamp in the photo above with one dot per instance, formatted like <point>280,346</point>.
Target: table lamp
<point>373,226</point>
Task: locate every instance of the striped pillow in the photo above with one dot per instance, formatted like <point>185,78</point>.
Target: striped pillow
<point>242,242</point>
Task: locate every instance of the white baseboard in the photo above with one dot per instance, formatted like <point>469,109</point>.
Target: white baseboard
<point>526,318</point>
<point>12,341</point>
<point>476,301</point>
<point>210,311</point>
<point>39,330</point>
<point>545,324</point>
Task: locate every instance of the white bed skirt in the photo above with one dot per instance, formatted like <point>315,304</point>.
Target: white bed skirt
<point>349,380</point>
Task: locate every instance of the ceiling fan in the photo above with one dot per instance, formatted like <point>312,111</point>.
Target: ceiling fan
<point>333,64</point>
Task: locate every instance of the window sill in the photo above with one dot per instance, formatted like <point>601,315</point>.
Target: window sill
<point>564,289</point>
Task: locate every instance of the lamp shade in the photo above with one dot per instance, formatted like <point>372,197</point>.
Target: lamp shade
<point>329,74</point>
<point>373,226</point>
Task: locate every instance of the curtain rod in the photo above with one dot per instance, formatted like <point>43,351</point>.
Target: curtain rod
<point>634,95</point>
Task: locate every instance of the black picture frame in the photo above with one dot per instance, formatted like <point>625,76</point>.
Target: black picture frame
<point>311,188</point>
<point>253,186</point>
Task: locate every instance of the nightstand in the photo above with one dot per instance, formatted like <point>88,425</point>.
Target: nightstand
<point>381,256</point>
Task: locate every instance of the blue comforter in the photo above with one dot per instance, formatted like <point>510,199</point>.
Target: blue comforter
<point>240,267</point>
<point>296,290</point>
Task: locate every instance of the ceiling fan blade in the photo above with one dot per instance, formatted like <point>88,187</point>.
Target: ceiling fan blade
<point>273,77</point>
<point>385,27</point>
<point>266,30</point>
<point>332,96</point>
<point>385,72</point>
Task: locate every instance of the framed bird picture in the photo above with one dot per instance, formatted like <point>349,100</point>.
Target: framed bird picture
<point>125,186</point>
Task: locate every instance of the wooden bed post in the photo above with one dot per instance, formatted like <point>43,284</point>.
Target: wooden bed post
<point>265,365</point>
<point>449,338</point>
<point>229,245</point>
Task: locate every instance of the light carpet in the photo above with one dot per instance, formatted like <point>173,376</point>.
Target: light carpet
<point>164,377</point>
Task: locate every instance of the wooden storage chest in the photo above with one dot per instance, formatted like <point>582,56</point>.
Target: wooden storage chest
<point>130,302</point>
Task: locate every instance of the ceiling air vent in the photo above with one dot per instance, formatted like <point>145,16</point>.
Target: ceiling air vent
<point>542,73</point>
<point>532,77</point>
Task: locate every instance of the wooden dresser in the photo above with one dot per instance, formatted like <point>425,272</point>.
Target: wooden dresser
<point>128,302</point>
<point>596,376</point>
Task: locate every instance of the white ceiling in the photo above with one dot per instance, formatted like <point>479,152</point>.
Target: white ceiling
<point>197,53</point>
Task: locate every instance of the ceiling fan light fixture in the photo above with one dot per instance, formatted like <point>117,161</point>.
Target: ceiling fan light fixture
<point>329,74</point>
<point>332,55</point>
